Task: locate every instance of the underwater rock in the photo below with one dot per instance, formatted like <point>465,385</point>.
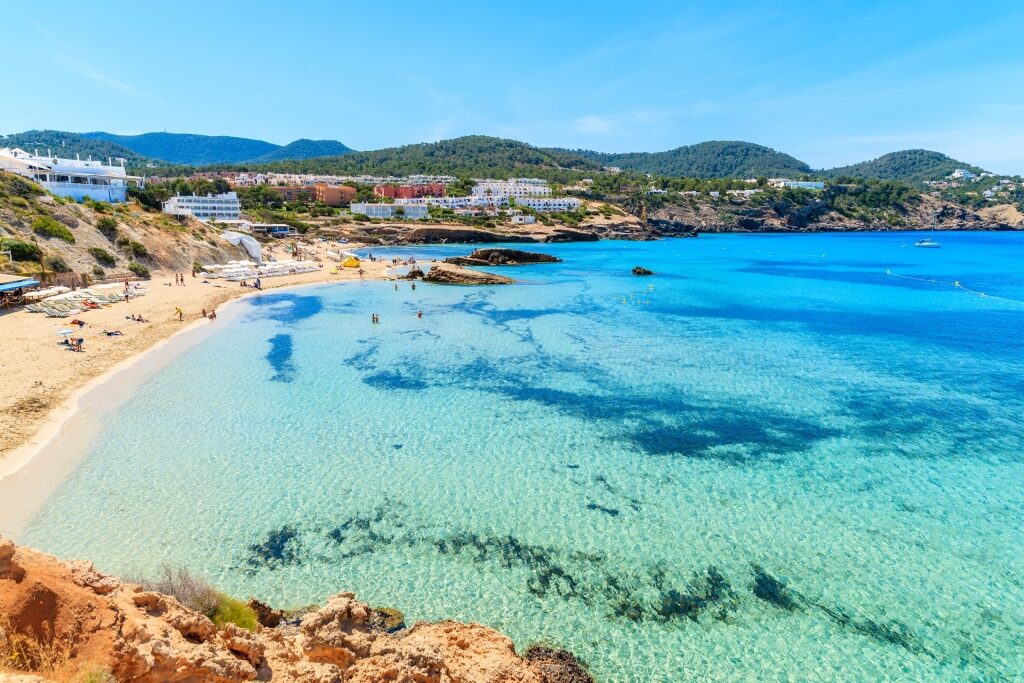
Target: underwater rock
<point>640,270</point>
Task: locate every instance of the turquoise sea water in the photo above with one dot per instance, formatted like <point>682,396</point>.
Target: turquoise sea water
<point>771,461</point>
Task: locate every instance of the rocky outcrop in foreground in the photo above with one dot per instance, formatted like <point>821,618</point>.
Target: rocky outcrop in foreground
<point>140,636</point>
<point>502,257</point>
<point>449,274</point>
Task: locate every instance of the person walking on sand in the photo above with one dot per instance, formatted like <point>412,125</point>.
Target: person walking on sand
<point>180,313</point>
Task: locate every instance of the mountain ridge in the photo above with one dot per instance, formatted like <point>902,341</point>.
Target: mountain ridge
<point>475,155</point>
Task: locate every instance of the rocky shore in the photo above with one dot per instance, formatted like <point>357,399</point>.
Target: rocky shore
<point>59,619</point>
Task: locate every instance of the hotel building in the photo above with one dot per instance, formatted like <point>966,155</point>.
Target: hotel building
<point>72,178</point>
<point>211,207</point>
<point>413,212</point>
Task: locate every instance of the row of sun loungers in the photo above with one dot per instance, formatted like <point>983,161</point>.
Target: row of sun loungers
<point>73,303</point>
<point>247,270</point>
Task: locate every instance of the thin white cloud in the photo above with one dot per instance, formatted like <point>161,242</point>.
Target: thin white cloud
<point>63,56</point>
<point>594,125</point>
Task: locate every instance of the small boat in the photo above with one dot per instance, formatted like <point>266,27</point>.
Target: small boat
<point>928,243</point>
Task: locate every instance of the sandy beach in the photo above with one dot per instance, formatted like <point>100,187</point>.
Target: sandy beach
<point>41,379</point>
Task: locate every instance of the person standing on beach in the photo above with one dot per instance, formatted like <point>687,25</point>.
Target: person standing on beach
<point>180,313</point>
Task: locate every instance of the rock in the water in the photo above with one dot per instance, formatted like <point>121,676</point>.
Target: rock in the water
<point>502,257</point>
<point>556,666</point>
<point>387,619</point>
<point>449,274</point>
<point>414,274</point>
<point>640,270</point>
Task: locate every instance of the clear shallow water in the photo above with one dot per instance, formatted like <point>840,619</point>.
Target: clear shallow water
<point>771,461</point>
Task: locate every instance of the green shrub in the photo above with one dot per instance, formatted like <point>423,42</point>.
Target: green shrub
<point>139,269</point>
<point>103,256</point>
<point>57,264</point>
<point>228,610</point>
<point>20,202</point>
<point>11,184</point>
<point>98,272</point>
<point>138,249</point>
<point>48,227</point>
<point>107,226</point>
<point>21,251</point>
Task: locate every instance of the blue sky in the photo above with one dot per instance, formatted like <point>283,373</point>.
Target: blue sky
<point>829,82</point>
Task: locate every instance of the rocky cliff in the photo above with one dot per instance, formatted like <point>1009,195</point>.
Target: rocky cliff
<point>928,213</point>
<point>65,621</point>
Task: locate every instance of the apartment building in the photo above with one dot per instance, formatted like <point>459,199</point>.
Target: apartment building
<point>334,195</point>
<point>412,212</point>
<point>411,191</point>
<point>514,187</point>
<point>211,207</point>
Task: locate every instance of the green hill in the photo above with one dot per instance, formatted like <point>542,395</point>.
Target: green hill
<point>909,165</point>
<point>305,149</point>
<point>69,144</point>
<point>187,148</point>
<point>473,155</point>
<point>713,159</point>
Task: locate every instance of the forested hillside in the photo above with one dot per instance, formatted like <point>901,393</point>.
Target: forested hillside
<point>305,149</point>
<point>473,155</point>
<point>714,159</point>
<point>909,165</point>
<point>69,144</point>
<point>185,148</point>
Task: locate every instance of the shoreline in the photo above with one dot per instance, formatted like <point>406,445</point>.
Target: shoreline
<point>24,487</point>
<point>32,471</point>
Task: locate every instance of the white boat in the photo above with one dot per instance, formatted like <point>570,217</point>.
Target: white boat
<point>928,243</point>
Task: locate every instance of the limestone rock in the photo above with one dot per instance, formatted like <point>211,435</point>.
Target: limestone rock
<point>147,637</point>
<point>640,270</point>
<point>448,274</point>
<point>9,569</point>
<point>501,257</point>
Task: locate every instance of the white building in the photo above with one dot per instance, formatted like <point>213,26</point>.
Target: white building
<point>515,187</point>
<point>413,212</point>
<point>443,202</point>
<point>962,173</point>
<point>72,178</point>
<point>802,184</point>
<point>489,202</point>
<point>544,204</point>
<point>218,207</point>
<point>523,219</point>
